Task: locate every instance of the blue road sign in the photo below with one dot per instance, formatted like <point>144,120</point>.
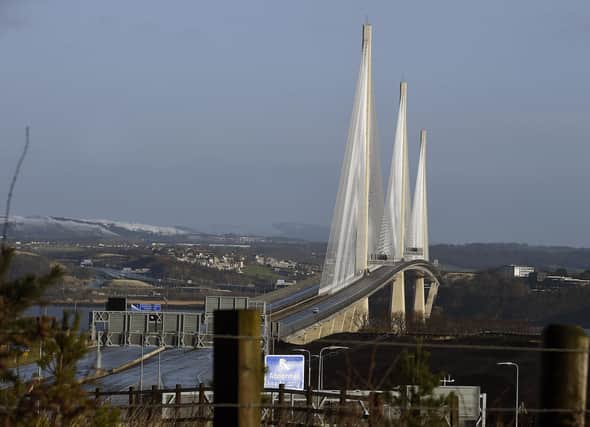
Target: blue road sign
<point>284,369</point>
<point>146,307</point>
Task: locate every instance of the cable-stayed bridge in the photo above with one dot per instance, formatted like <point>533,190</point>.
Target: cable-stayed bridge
<point>375,238</point>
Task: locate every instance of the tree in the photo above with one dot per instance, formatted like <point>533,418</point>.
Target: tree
<point>414,396</point>
<point>59,400</point>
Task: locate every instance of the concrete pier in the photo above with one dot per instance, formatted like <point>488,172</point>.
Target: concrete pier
<point>419,299</point>
<point>398,295</point>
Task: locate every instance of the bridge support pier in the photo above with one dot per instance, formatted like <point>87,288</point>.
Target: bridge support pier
<point>419,299</point>
<point>398,295</point>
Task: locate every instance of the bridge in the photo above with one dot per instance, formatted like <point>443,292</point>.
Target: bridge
<point>375,238</point>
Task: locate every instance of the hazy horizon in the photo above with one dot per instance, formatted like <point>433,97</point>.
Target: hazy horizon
<point>204,114</point>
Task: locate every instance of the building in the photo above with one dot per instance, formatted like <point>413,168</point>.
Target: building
<point>282,283</point>
<point>512,270</point>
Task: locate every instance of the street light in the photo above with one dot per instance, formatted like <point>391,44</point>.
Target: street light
<point>159,370</point>
<point>309,356</point>
<point>141,366</point>
<point>98,354</point>
<point>516,407</point>
<point>321,367</point>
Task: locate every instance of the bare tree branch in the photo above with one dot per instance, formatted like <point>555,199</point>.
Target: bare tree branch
<point>13,183</point>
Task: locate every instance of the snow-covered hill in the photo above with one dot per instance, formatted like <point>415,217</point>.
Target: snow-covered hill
<point>61,228</point>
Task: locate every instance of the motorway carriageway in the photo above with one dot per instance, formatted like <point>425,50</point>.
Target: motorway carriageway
<point>308,313</point>
<point>112,357</point>
<point>186,367</point>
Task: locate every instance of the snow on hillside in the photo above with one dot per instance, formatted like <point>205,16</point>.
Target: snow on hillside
<point>43,225</point>
<point>141,228</point>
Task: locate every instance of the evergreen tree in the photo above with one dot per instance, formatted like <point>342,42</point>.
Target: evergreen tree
<point>55,401</point>
<point>414,396</point>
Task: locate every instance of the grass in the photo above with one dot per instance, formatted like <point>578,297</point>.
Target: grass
<point>261,271</point>
<point>120,283</point>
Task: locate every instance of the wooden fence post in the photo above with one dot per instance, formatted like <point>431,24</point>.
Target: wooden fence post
<point>177,401</point>
<point>201,410</point>
<point>564,375</point>
<point>132,404</point>
<point>375,409</point>
<point>309,406</point>
<point>454,409</point>
<point>342,406</point>
<point>153,401</point>
<point>281,405</point>
<point>237,368</point>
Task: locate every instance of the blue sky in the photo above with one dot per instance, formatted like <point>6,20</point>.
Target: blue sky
<point>236,113</point>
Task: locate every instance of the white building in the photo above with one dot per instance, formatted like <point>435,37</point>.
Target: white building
<point>517,270</point>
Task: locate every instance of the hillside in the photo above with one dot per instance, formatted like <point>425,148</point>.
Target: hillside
<point>74,229</point>
<point>479,256</point>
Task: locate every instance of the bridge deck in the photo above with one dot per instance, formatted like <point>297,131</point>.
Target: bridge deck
<point>289,296</point>
<point>324,306</point>
<point>305,313</point>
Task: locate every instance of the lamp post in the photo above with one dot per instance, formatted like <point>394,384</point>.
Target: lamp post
<point>516,406</point>
<point>309,356</point>
<point>321,363</point>
<point>98,354</point>
<point>141,367</point>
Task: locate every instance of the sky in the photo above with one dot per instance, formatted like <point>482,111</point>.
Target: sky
<point>224,114</point>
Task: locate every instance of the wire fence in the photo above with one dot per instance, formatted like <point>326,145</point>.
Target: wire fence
<point>323,407</point>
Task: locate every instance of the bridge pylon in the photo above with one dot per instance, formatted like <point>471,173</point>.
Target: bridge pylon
<point>392,233</point>
<point>417,241</point>
<point>369,230</point>
<point>359,203</point>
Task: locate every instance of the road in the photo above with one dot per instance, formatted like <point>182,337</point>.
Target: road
<point>315,309</point>
<point>112,357</point>
<point>177,366</point>
<point>323,306</point>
